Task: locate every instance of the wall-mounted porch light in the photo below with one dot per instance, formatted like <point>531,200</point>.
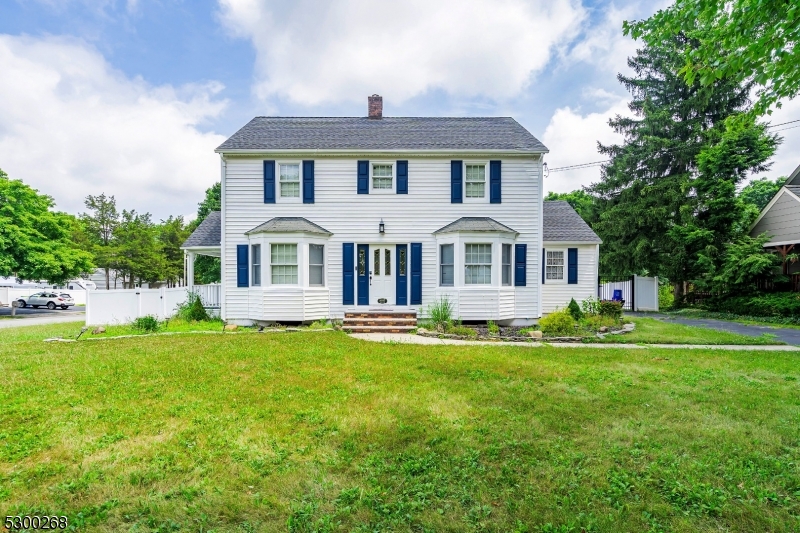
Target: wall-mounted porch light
<point>381,227</point>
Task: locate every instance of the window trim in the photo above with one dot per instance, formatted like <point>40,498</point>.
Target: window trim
<point>393,165</point>
<point>288,199</point>
<point>255,268</point>
<point>478,200</point>
<point>563,278</point>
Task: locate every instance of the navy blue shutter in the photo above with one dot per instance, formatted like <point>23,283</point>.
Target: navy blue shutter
<point>416,273</point>
<point>308,182</point>
<point>520,265</point>
<point>544,263</point>
<point>494,182</point>
<point>572,265</point>
<point>363,177</point>
<point>241,265</point>
<point>269,182</point>
<point>401,291</point>
<point>402,177</point>
<point>348,271</point>
<point>456,182</point>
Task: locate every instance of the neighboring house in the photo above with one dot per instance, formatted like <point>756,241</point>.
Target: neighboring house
<point>323,216</point>
<point>780,219</point>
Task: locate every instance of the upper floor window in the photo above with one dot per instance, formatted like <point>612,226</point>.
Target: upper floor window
<point>382,176</point>
<point>478,264</point>
<point>290,180</point>
<point>555,265</point>
<point>475,181</point>
<point>284,264</point>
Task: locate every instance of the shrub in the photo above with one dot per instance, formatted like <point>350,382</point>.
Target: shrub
<point>440,314</point>
<point>595,322</point>
<point>494,329</point>
<point>666,297</point>
<point>785,304</point>
<point>558,324</point>
<point>146,324</point>
<point>590,306</point>
<point>322,323</point>
<point>575,310</point>
<point>192,309</point>
<point>464,331</point>
<point>611,308</point>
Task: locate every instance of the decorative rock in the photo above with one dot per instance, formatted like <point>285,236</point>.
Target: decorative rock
<point>535,334</point>
<point>98,330</point>
<point>421,331</point>
<point>231,327</point>
<point>603,329</point>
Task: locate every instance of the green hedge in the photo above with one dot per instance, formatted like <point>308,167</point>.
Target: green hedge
<point>786,304</point>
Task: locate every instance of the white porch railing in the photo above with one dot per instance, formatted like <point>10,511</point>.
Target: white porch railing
<point>210,295</point>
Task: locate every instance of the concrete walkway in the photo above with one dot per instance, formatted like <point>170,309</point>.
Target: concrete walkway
<point>416,339</point>
<point>787,335</point>
<point>41,320</point>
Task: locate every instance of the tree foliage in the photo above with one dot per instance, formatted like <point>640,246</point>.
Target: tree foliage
<point>741,40</point>
<point>35,240</point>
<point>100,224</point>
<point>668,193</point>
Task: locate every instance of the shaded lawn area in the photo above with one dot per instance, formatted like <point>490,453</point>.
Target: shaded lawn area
<point>322,432</point>
<point>653,331</point>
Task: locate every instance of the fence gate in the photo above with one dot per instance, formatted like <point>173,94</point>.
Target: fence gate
<point>617,288</point>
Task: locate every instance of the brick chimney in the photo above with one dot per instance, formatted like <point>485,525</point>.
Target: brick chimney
<point>375,106</point>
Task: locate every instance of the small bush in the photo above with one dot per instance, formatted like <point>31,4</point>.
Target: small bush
<point>595,322</point>
<point>494,329</point>
<point>611,308</point>
<point>440,314</point>
<point>192,309</point>
<point>590,306</point>
<point>146,324</point>
<point>322,323</point>
<point>558,324</point>
<point>464,331</point>
<point>575,310</point>
<point>666,296</point>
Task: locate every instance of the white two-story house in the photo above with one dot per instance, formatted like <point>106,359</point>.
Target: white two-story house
<point>323,216</point>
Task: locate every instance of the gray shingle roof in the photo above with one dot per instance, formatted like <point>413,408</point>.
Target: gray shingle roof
<point>562,223</point>
<point>475,224</point>
<point>794,188</point>
<point>389,133</point>
<point>794,177</point>
<point>208,233</point>
<point>289,225</point>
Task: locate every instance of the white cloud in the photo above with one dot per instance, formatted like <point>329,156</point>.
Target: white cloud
<point>70,125</point>
<point>572,140</point>
<point>312,52</point>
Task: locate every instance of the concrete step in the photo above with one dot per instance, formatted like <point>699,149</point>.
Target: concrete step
<point>378,329</point>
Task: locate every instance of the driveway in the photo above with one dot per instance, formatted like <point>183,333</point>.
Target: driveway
<point>27,316</point>
<point>787,335</point>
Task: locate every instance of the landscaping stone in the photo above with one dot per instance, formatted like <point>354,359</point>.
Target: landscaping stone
<point>535,334</point>
<point>603,329</point>
<point>231,327</point>
<point>98,330</point>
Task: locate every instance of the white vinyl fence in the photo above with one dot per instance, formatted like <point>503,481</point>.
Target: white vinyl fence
<point>640,293</point>
<point>125,305</point>
<point>10,294</point>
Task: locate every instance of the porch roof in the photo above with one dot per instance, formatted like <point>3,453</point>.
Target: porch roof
<point>208,234</point>
<point>479,224</point>
<point>289,225</point>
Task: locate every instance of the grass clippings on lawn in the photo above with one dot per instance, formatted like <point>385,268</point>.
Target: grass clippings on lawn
<point>327,433</point>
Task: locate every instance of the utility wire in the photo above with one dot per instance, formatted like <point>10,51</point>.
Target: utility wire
<point>598,163</point>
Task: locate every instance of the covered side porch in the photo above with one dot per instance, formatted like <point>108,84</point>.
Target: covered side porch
<point>205,240</point>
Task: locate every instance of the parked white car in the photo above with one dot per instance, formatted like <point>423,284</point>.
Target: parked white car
<point>51,300</point>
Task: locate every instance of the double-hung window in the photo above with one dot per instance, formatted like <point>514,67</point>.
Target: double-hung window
<point>478,264</point>
<point>555,265</point>
<point>290,180</point>
<point>283,262</point>
<point>381,176</point>
<point>316,265</point>
<point>506,264</point>
<point>255,253</point>
<point>446,265</point>
<point>476,181</point>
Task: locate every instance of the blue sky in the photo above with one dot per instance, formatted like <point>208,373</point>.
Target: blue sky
<point>131,97</point>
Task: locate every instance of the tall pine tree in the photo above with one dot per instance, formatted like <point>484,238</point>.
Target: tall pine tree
<point>667,191</point>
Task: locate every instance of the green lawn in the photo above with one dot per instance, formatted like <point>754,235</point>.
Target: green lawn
<point>652,331</point>
<point>322,432</point>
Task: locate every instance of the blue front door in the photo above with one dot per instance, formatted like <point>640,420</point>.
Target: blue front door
<point>362,273</point>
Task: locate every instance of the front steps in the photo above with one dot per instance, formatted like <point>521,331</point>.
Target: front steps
<point>379,321</point>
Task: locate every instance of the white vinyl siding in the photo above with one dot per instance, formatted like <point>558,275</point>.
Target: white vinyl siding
<point>557,294</point>
<point>283,264</point>
<point>478,264</point>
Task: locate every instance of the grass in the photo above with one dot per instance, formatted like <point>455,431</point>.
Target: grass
<point>653,331</point>
<point>322,432</point>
